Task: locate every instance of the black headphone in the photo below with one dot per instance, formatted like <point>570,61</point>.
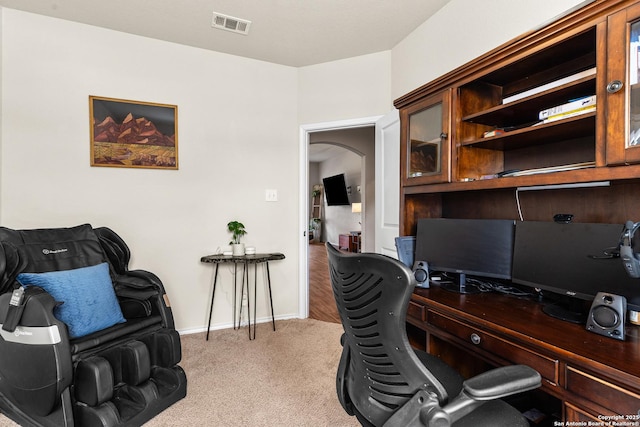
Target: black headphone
<point>630,259</point>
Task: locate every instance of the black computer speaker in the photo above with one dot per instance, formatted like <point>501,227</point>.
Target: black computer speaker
<point>421,273</point>
<point>607,315</point>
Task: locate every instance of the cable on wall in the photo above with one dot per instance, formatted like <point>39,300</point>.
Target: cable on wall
<point>556,187</point>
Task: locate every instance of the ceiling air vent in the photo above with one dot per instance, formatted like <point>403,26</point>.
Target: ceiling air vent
<point>229,23</point>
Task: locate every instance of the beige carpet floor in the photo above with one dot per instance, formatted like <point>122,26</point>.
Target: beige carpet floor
<point>282,378</point>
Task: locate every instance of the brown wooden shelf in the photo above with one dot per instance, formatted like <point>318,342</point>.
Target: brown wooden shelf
<point>548,133</point>
<point>622,174</point>
<point>526,110</point>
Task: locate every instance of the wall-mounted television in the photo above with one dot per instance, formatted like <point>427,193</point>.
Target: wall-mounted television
<point>335,190</point>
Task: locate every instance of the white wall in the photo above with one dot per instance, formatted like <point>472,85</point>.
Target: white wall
<point>1,97</point>
<point>346,89</point>
<point>463,30</point>
<point>237,120</point>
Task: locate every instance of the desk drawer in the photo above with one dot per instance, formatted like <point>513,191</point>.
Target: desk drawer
<point>605,394</point>
<point>499,347</point>
<point>416,311</point>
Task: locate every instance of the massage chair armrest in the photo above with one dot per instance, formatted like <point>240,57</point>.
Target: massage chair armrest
<point>35,363</point>
<point>141,294</point>
<point>423,409</point>
<point>139,279</point>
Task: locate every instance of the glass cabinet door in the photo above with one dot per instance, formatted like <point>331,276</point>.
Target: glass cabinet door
<point>622,120</point>
<point>634,87</point>
<point>425,136</point>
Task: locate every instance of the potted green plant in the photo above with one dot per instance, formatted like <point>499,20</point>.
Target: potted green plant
<point>314,229</point>
<point>237,230</point>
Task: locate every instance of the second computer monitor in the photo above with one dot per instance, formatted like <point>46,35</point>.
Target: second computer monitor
<point>466,247</point>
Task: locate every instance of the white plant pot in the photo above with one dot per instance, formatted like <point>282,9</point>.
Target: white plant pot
<point>238,249</point>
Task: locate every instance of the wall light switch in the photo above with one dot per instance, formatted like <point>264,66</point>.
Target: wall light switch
<point>271,195</point>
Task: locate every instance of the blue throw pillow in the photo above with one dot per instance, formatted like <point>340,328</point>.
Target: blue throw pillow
<point>90,303</point>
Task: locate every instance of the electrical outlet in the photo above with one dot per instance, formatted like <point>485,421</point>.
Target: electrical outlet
<point>271,195</point>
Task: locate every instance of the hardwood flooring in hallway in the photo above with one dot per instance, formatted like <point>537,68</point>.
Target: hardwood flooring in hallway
<point>322,306</point>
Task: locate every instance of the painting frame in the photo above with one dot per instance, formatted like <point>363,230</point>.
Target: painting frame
<point>133,134</point>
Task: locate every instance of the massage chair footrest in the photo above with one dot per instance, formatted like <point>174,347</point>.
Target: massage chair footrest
<point>121,385</point>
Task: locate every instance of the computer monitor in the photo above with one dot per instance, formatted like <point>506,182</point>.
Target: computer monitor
<point>574,260</point>
<point>466,247</point>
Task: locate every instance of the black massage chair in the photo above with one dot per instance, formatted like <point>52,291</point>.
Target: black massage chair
<point>112,360</point>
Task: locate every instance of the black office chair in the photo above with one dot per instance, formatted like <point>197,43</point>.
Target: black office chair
<point>383,381</point>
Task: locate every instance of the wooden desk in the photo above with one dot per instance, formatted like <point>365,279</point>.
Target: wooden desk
<point>590,375</point>
<point>246,261</point>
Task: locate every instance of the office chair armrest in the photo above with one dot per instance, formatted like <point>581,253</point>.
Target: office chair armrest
<point>491,385</point>
<point>423,408</point>
<point>501,382</point>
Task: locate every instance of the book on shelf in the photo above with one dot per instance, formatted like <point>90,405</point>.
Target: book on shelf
<point>493,132</point>
<point>573,105</point>
<point>578,112</point>
<point>551,85</point>
<point>550,169</point>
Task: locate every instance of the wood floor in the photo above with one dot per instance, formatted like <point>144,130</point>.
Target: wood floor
<point>322,306</point>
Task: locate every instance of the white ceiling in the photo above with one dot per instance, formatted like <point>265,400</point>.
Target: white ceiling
<point>319,152</point>
<point>288,32</point>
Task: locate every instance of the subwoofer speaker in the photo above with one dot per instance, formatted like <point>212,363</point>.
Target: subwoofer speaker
<point>421,273</point>
<point>607,315</point>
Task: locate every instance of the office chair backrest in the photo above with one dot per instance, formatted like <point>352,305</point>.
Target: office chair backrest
<point>372,292</point>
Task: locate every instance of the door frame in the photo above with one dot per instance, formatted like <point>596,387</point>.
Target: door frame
<point>387,173</point>
<point>303,218</point>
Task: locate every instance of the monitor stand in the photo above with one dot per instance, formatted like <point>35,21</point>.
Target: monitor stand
<point>460,286</point>
<point>568,309</point>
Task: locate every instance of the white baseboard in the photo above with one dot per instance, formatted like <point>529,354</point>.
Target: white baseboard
<point>229,325</point>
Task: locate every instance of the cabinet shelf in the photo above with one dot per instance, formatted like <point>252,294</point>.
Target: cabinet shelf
<point>545,64</point>
<point>527,109</point>
<point>548,133</point>
<point>620,175</point>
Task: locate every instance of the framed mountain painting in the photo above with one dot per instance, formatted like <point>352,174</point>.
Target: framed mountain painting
<point>133,134</point>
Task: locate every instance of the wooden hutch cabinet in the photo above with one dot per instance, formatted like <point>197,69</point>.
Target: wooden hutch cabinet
<point>586,53</point>
<point>472,139</point>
